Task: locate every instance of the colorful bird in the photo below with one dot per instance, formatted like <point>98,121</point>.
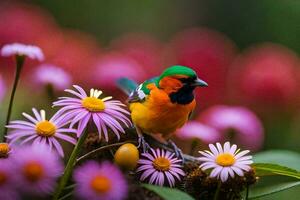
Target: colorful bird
<point>162,104</point>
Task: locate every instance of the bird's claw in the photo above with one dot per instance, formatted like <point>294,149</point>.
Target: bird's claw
<point>177,151</point>
<point>143,144</point>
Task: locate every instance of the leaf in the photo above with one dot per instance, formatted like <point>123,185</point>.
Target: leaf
<point>265,169</point>
<point>168,193</point>
<point>271,189</point>
<point>281,157</point>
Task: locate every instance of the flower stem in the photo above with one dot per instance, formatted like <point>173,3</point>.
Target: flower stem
<point>217,191</point>
<point>247,192</point>
<point>95,151</point>
<point>69,167</point>
<point>50,92</point>
<point>19,65</point>
<point>193,146</point>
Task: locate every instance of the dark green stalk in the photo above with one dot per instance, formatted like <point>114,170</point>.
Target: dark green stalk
<point>247,192</point>
<point>216,197</point>
<point>69,167</point>
<point>95,151</point>
<point>50,92</point>
<point>19,65</point>
<point>193,146</point>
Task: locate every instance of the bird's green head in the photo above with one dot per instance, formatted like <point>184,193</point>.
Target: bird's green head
<point>184,74</point>
<point>179,83</point>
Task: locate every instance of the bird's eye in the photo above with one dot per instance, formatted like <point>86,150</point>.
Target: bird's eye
<point>187,80</point>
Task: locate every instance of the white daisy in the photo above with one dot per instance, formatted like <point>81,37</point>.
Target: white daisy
<point>225,161</point>
<point>30,51</point>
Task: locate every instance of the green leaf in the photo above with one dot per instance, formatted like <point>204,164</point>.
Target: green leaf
<point>168,193</point>
<point>281,157</point>
<point>271,189</point>
<point>265,169</point>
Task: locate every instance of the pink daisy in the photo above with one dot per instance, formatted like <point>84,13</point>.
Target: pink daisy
<point>246,126</point>
<point>37,169</point>
<point>111,66</point>
<point>40,130</point>
<point>225,161</point>
<point>47,74</point>
<point>159,166</point>
<point>105,113</point>
<point>196,130</point>
<point>100,181</point>
<point>7,180</point>
<point>31,51</point>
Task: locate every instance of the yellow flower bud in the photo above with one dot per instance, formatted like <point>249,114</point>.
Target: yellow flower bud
<point>4,149</point>
<point>127,156</point>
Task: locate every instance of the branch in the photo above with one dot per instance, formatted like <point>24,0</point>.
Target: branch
<point>132,132</point>
<point>95,151</point>
<point>153,141</point>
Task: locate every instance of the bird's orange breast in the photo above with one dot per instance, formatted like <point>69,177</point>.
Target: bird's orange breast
<point>158,114</point>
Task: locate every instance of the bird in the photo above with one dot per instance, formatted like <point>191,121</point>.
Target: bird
<point>162,104</point>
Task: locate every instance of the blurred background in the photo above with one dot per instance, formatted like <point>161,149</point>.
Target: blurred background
<point>247,51</point>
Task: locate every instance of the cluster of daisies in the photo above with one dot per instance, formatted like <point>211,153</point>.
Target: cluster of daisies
<point>31,161</point>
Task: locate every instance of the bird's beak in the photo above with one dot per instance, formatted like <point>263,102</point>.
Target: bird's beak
<point>200,83</point>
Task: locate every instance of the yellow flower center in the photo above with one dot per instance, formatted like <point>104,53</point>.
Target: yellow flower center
<point>45,128</point>
<point>225,159</point>
<point>93,104</point>
<point>4,149</point>
<point>33,171</point>
<point>3,178</point>
<point>100,184</point>
<point>161,164</point>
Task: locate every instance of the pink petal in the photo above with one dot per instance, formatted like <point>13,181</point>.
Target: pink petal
<point>224,174</point>
<point>170,178</point>
<point>66,138</point>
<point>227,147</point>
<point>28,139</point>
<point>219,147</point>
<point>215,172</point>
<point>213,149</point>
<point>146,174</point>
<point>36,114</point>
<point>57,146</point>
<point>241,154</point>
<point>30,118</point>
<point>74,93</point>
<point>80,90</point>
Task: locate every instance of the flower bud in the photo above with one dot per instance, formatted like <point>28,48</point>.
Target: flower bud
<point>127,156</point>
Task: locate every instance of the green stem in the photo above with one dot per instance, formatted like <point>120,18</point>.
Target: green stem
<point>66,196</point>
<point>69,167</point>
<point>95,151</point>
<point>217,191</point>
<point>50,92</point>
<point>247,192</point>
<point>193,146</point>
<point>19,65</point>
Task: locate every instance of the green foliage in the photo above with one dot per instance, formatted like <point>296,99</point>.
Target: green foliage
<point>266,169</point>
<point>168,193</point>
<point>269,169</point>
<point>282,157</point>
<point>258,192</point>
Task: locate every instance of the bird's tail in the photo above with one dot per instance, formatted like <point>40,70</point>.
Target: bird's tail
<point>126,85</point>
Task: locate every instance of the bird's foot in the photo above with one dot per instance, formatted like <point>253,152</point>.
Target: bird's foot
<point>177,151</point>
<point>143,144</point>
